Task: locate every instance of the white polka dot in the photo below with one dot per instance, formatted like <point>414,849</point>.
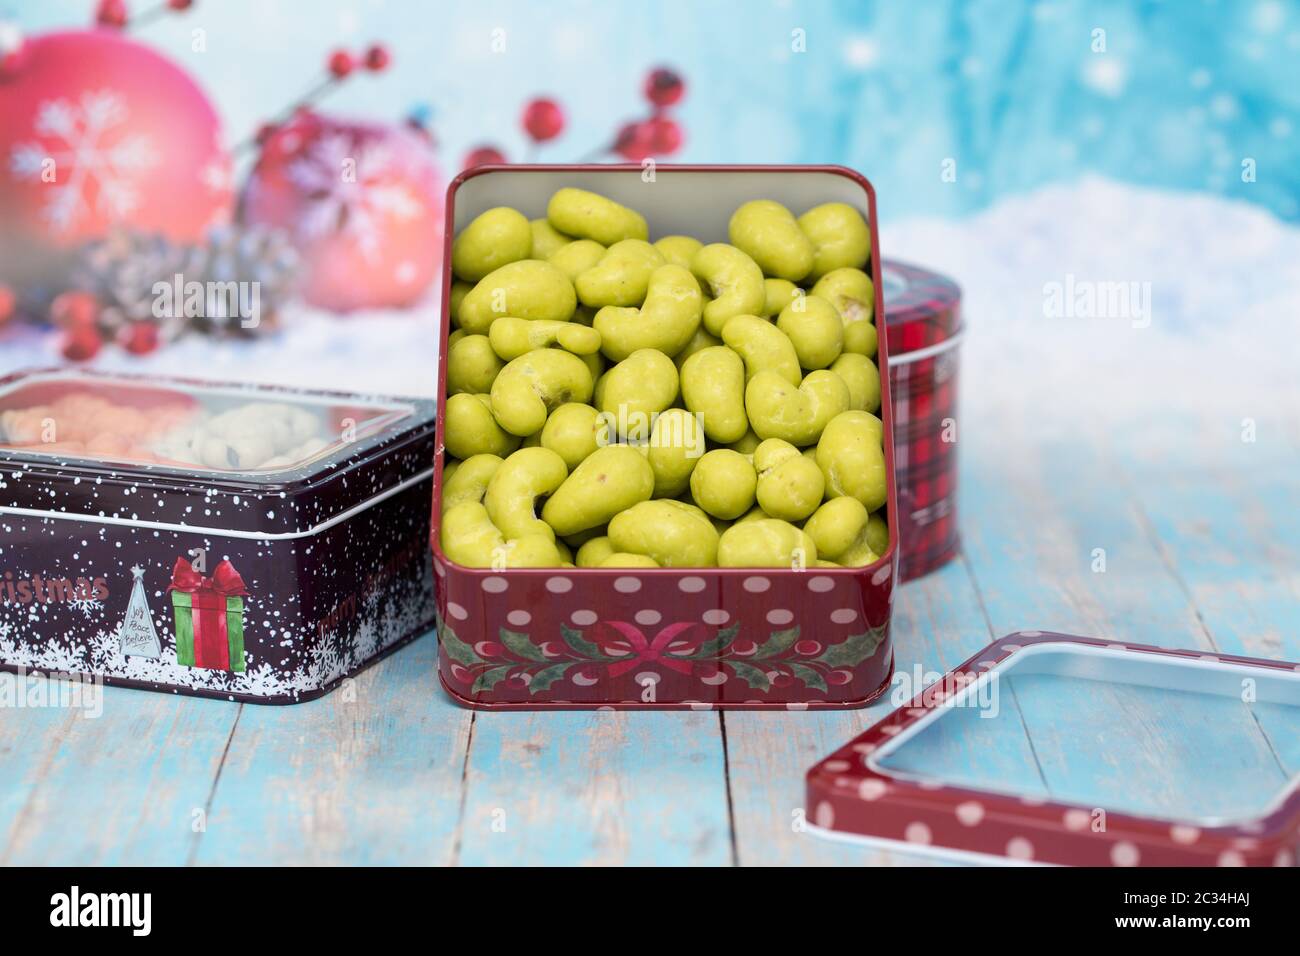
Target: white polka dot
<point>1124,854</point>
<point>882,575</point>
<point>1031,633</point>
<point>864,748</point>
<point>795,705</point>
<point>1018,848</point>
<point>1011,648</point>
<point>780,616</point>
<point>825,815</point>
<point>495,585</point>
<point>717,617</point>
<point>1182,833</point>
<point>844,615</point>
<point>970,813</point>
<point>559,585</point>
<point>627,585</point>
<point>583,618</point>
<point>519,618</point>
<point>648,617</point>
<point>691,585</point>
<point>836,766</point>
<point>757,585</point>
<point>1231,858</point>
<point>872,789</point>
<point>917,833</point>
<point>1077,819</point>
<point>821,584</point>
<point>1284,858</point>
<point>456,611</point>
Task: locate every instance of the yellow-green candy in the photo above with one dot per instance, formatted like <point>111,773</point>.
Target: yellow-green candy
<point>608,482</point>
<point>767,232</point>
<point>668,320</point>
<point>678,250</point>
<point>469,482</point>
<point>851,291</point>
<point>511,337</point>
<point>621,276</point>
<point>723,483</point>
<point>839,236</point>
<point>471,429</point>
<point>495,238</point>
<point>472,365</point>
<point>840,528</point>
<point>763,347</point>
<point>674,534</point>
<point>593,552</point>
<point>790,486</point>
<point>733,281</point>
<point>862,377</point>
<point>547,240</point>
<point>713,387</point>
<point>574,431</point>
<point>635,390</point>
<point>530,386</point>
<point>576,257</point>
<point>587,215</point>
<point>527,289</point>
<point>469,537</point>
<point>852,459</point>
<point>815,329</point>
<point>778,293</point>
<point>766,543</point>
<point>676,445</point>
<point>796,415</point>
<point>516,486</point>
<point>621,559</point>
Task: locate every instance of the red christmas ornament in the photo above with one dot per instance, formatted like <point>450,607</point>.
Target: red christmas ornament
<point>483,156</point>
<point>13,49</point>
<point>377,58</point>
<point>111,13</point>
<point>75,310</point>
<point>97,130</point>
<point>8,304</point>
<point>363,204</point>
<point>141,338</point>
<point>340,63</point>
<point>633,141</point>
<point>663,135</point>
<point>82,344</point>
<point>180,4</point>
<point>664,87</point>
<point>543,120</point>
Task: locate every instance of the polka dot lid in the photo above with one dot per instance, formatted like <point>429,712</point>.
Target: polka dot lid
<point>894,784</point>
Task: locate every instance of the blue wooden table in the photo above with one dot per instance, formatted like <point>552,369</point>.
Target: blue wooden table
<point>1174,525</point>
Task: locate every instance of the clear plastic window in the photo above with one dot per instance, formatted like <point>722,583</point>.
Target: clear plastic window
<point>194,428</point>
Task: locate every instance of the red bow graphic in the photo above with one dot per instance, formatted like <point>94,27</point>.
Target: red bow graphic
<point>649,652</point>
<point>225,580</point>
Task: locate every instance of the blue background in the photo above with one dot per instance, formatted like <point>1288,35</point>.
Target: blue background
<point>1012,91</point>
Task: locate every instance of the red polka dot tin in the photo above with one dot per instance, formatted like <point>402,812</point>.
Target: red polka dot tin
<point>924,328</point>
<point>724,638</point>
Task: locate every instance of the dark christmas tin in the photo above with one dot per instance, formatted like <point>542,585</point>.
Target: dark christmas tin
<point>684,638</point>
<point>252,543</point>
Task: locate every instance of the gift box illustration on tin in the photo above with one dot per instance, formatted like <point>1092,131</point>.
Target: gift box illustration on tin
<point>209,617</point>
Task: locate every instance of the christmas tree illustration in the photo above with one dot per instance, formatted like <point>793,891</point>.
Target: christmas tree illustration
<point>137,634</point>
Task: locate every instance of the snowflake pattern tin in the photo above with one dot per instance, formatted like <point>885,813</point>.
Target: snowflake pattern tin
<point>1119,694</point>
<point>242,542</point>
<point>701,638</point>
<point>924,328</point>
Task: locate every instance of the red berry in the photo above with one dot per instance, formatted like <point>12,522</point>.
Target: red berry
<point>664,87</point>
<point>140,338</point>
<point>8,302</point>
<point>180,4</point>
<point>378,58</point>
<point>483,156</point>
<point>82,345</point>
<point>633,141</point>
<point>807,648</point>
<point>341,63</point>
<point>75,310</point>
<point>543,120</point>
<point>111,13</point>
<point>663,135</point>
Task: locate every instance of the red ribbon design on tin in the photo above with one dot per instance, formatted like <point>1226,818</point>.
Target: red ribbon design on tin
<point>211,638</point>
<point>649,651</point>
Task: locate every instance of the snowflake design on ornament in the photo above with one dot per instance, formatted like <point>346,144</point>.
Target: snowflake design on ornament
<point>91,152</point>
<point>350,187</point>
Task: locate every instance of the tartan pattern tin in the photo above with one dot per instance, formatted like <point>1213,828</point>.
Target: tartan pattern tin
<point>924,330</point>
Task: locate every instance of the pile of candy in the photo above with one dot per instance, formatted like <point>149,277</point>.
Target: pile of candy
<point>671,404</point>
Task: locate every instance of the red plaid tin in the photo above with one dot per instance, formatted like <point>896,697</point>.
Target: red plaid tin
<point>675,638</point>
<point>924,330</point>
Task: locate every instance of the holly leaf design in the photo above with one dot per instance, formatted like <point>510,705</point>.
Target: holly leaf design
<point>458,650</point>
<point>581,646</point>
<point>715,645</point>
<point>778,643</point>
<point>755,677</point>
<point>854,649</point>
<point>810,676</point>
<point>547,676</point>
<point>519,645</point>
<point>490,678</point>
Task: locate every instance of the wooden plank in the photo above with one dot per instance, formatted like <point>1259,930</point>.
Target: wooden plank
<point>602,787</point>
<point>368,774</point>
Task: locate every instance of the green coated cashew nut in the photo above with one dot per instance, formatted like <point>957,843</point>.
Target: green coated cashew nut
<point>766,543</point>
<point>621,559</point>
<point>472,365</point>
<point>512,494</point>
<point>779,293</point>
<point>678,250</point>
<point>547,240</point>
<point>713,388</point>
<point>529,387</point>
<point>790,486</point>
<point>527,289</point>
<point>511,337</point>
<point>700,341</point>
<point>676,444</point>
<point>668,320</point>
<point>469,537</point>
<point>733,281</point>
<point>767,232</point>
<point>622,275</point>
<point>673,533</point>
<point>635,390</point>
<point>469,482</point>
<point>796,415</point>
<point>839,236</point>
<point>763,347</point>
<point>852,458</point>
<point>574,431</point>
<point>459,289</point>
<point>577,257</point>
<point>593,552</point>
<point>863,379</point>
<point>851,291</point>
<point>470,428</point>
<point>815,329</point>
<point>587,215</point>
<point>723,483</point>
<point>840,529</point>
<point>877,533</point>
<point>610,480</point>
<point>495,238</point>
